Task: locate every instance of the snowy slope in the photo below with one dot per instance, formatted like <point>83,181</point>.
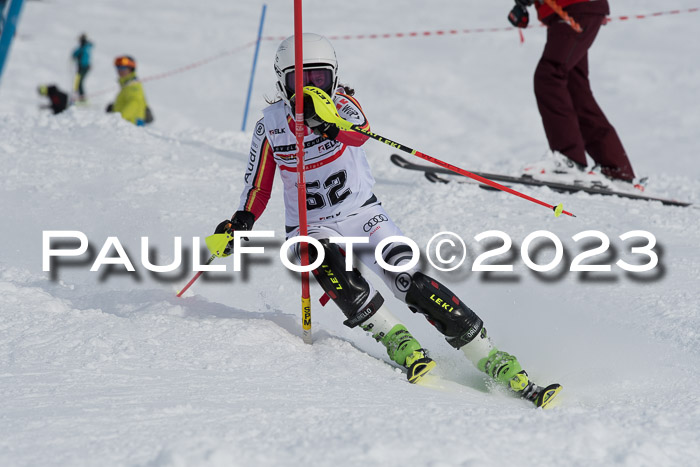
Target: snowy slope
<point>109,368</point>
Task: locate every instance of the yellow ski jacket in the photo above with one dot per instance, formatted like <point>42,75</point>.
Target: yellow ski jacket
<point>131,101</point>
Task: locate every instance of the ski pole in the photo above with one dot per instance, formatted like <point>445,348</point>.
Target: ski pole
<point>564,15</point>
<point>196,276</point>
<point>217,244</point>
<point>326,110</point>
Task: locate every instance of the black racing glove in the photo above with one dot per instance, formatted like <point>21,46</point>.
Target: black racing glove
<point>316,123</point>
<point>241,220</point>
<point>518,16</point>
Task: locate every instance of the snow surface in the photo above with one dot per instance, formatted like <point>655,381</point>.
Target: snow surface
<point>110,368</point>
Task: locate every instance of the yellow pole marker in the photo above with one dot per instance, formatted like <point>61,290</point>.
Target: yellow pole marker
<point>217,243</point>
<point>325,108</point>
<point>558,209</point>
<point>306,319</point>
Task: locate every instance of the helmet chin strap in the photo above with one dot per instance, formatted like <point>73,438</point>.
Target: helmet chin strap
<point>282,92</point>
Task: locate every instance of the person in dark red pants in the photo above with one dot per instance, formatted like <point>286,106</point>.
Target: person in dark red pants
<point>573,121</point>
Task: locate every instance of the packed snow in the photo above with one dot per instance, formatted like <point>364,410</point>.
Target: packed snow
<point>111,368</point>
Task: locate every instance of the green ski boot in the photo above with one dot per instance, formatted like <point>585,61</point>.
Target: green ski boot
<point>541,397</point>
<point>501,366</point>
<point>405,350</point>
<point>506,369</point>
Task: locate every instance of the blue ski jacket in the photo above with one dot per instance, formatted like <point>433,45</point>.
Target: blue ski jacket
<point>82,55</point>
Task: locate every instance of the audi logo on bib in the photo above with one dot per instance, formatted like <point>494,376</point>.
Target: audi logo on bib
<point>374,221</point>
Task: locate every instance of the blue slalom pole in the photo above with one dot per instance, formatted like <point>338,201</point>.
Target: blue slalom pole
<point>8,26</point>
<point>252,72</point>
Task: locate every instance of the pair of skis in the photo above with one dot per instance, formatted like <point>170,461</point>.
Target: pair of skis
<point>433,173</point>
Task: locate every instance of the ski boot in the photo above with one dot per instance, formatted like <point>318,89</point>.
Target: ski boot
<point>401,346</point>
<point>501,366</point>
<point>538,395</point>
<point>405,350</point>
<point>506,369</point>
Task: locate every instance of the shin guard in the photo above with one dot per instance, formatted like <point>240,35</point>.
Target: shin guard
<point>444,310</point>
<point>348,289</point>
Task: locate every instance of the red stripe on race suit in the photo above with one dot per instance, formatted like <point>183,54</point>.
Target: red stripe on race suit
<point>318,164</point>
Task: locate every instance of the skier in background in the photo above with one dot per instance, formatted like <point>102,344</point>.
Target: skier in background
<point>131,100</point>
<point>81,56</point>
<point>572,120</point>
<point>341,203</point>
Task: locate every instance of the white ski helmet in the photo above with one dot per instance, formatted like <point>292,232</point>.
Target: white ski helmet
<point>320,65</point>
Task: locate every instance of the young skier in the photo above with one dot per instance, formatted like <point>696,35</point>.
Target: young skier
<point>573,122</point>
<point>340,202</point>
<point>131,100</point>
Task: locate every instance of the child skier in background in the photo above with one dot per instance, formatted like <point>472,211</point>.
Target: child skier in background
<point>81,56</point>
<point>340,203</point>
<point>131,100</point>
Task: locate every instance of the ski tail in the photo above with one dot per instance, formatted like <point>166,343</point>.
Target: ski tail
<point>542,397</point>
<point>418,365</point>
<point>547,396</point>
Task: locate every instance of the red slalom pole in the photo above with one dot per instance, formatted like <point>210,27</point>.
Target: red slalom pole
<point>299,130</point>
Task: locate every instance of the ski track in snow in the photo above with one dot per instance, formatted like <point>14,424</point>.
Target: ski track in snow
<point>110,368</point>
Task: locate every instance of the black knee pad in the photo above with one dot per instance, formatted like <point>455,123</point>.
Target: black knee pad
<point>348,289</point>
<point>443,309</point>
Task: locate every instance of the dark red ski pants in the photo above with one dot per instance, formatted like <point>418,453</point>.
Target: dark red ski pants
<point>573,121</point>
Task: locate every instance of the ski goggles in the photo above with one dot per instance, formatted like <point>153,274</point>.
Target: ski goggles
<point>320,77</point>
